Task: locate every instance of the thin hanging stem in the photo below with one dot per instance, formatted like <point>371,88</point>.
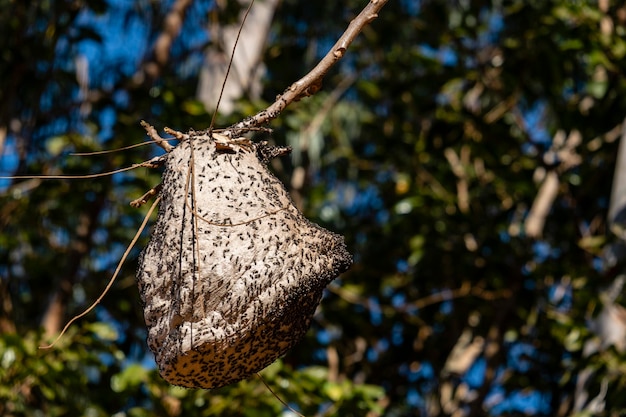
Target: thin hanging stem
<point>277,397</point>
<point>230,63</point>
<point>113,278</point>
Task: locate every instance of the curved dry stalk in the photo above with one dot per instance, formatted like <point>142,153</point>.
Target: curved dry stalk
<point>112,280</point>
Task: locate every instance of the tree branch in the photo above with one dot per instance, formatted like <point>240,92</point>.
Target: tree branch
<point>563,150</point>
<point>172,25</point>
<point>312,82</point>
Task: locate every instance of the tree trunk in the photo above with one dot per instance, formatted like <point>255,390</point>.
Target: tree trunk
<point>247,68</point>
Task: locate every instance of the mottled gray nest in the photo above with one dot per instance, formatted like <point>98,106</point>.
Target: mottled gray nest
<point>233,272</point>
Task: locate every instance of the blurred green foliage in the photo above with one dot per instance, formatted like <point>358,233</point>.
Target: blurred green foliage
<point>426,148</point>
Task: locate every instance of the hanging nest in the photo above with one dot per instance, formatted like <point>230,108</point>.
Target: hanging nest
<point>233,272</point>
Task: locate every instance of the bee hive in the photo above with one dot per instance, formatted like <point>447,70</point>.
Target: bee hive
<point>233,272</point>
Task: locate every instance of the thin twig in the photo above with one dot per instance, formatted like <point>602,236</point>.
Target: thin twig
<point>465,290</point>
<point>155,137</point>
<point>311,82</point>
<point>277,397</point>
<point>106,151</point>
<point>152,163</point>
<point>147,196</point>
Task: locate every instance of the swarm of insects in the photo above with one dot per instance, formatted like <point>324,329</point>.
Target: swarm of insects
<point>233,272</point>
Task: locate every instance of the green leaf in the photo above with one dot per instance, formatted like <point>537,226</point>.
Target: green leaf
<point>193,107</point>
<point>104,331</point>
<point>56,145</point>
<point>130,377</point>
